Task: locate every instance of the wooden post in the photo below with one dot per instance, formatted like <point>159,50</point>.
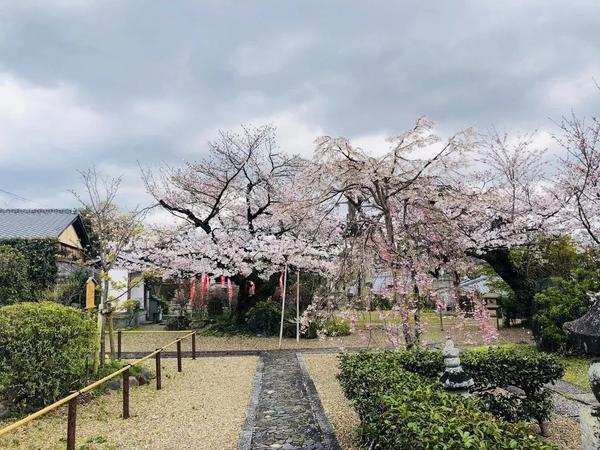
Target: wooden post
<point>158,381</point>
<point>119,340</point>
<point>126,394</point>
<point>194,345</point>
<point>179,355</point>
<point>71,424</point>
<point>111,338</point>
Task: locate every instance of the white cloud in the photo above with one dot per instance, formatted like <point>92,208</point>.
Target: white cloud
<point>45,125</point>
<point>268,56</point>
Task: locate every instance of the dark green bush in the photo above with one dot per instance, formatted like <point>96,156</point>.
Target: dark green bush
<point>214,307</point>
<point>180,322</point>
<point>335,327</point>
<point>403,410</point>
<point>41,255</point>
<point>46,350</point>
<point>522,367</point>
<point>381,302</point>
<point>14,276</point>
<point>264,319</point>
<point>564,301</point>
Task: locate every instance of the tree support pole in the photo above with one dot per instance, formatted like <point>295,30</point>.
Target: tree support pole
<point>283,305</point>
<point>298,306</point>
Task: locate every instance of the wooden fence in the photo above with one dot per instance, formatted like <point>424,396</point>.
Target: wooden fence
<point>71,399</point>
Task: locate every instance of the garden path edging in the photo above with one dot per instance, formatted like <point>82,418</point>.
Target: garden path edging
<point>245,440</point>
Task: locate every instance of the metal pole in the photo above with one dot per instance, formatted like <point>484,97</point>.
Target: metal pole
<point>179,355</point>
<point>298,306</point>
<point>119,339</point>
<point>71,424</point>
<point>158,380</point>
<point>283,305</point>
<point>126,394</point>
<point>194,345</point>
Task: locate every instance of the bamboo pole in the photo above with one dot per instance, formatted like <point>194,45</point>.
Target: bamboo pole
<point>283,305</point>
<point>89,387</point>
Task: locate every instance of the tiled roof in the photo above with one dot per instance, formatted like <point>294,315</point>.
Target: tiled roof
<point>35,223</point>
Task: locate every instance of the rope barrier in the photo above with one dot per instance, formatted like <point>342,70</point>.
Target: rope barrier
<point>87,388</point>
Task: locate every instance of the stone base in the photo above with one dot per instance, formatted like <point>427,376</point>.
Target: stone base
<point>590,429</point>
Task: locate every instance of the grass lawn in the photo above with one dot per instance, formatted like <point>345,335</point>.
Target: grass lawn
<point>202,408</point>
<point>576,370</point>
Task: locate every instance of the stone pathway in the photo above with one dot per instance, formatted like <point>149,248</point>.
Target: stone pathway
<point>568,398</point>
<point>285,411</point>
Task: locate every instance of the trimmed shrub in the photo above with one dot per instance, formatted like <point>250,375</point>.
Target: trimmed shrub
<point>521,367</point>
<point>401,410</point>
<point>46,350</point>
<point>14,276</point>
<point>264,319</point>
<point>334,327</point>
<point>381,302</point>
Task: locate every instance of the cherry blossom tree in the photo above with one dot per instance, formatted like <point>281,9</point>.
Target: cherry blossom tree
<point>579,177</point>
<point>241,216</point>
<point>507,203</point>
<point>399,207</point>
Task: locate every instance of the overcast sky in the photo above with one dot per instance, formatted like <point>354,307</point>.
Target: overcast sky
<point>115,82</point>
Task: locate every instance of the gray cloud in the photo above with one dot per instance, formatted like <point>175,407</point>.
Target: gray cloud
<point>112,82</point>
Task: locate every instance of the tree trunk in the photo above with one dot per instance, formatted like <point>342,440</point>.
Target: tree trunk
<point>102,322</point>
<point>516,279</point>
<point>263,289</point>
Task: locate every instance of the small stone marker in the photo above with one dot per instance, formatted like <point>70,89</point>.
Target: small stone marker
<point>589,417</point>
<point>454,377</point>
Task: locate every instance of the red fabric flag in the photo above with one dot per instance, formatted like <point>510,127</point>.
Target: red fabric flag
<point>222,281</point>
<point>229,292</point>
<point>192,291</point>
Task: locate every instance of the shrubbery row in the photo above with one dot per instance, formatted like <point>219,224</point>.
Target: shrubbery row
<point>46,350</point>
<point>402,406</point>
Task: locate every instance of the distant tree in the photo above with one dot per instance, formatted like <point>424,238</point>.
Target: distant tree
<point>114,231</point>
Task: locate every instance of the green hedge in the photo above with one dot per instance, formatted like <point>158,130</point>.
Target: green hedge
<point>403,410</point>
<point>14,276</point>
<point>41,254</point>
<point>522,367</point>
<point>46,350</point>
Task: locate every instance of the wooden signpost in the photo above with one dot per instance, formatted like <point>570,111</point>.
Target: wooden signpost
<point>90,293</point>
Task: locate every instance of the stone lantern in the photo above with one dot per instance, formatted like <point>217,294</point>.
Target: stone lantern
<point>589,417</point>
<point>584,333</point>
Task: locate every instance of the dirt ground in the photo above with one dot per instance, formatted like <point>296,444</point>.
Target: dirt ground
<point>376,338</point>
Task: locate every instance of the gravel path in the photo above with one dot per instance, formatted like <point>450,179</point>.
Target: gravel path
<point>323,369</point>
<point>288,413</point>
<point>201,408</point>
